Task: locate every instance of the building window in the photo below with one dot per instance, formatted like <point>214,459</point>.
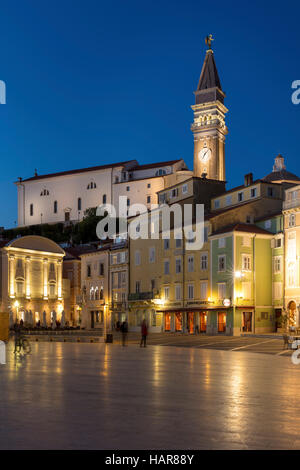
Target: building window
<point>253,192</point>
<point>178,265</point>
<point>52,289</point>
<point>167,293</point>
<point>148,199</point>
<point>104,199</point>
<point>79,204</point>
<point>152,284</point>
<point>191,264</point>
<point>116,179</point>
<point>277,264</point>
<point>221,243</point>
<point>292,220</point>
<point>177,292</point>
<point>20,287</point>
<point>270,192</point>
<point>45,192</point>
<point>149,185</point>
<point>152,254</point>
<point>138,287</point>
<point>217,204</point>
<point>166,267</point>
<point>278,243</point>
<point>174,192</point>
<point>92,185</point>
<point>222,263</point>
<point>160,172</point>
<point>190,291</point>
<point>101,269</point>
<point>240,196</point>
<point>203,290</point>
<point>178,242</point>
<point>221,290</point>
<point>55,207</point>
<point>184,189</point>
<point>268,224</point>
<point>204,262</point>
<point>31,209</point>
<point>128,202</point>
<point>246,262</point>
<point>101,293</point>
<point>137,258</point>
<point>228,200</point>
<point>127,188</point>
<point>92,293</point>
<point>88,270</point>
<point>166,243</point>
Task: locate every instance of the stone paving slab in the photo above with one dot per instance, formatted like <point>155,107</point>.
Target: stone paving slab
<point>97,396</point>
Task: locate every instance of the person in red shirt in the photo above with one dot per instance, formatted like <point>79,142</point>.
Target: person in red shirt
<point>144,331</point>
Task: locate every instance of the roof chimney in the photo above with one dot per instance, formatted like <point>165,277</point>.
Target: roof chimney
<point>248,179</point>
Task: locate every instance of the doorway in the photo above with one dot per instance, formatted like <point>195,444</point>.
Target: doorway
<point>167,322</point>
<point>221,322</point>
<point>92,319</point>
<point>247,322</point>
<point>203,322</point>
<point>178,321</point>
<point>190,320</point>
<point>67,216</point>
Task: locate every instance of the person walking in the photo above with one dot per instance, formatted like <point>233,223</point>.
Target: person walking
<point>124,331</point>
<point>144,331</point>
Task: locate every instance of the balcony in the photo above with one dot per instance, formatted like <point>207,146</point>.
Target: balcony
<point>141,296</point>
<point>291,204</point>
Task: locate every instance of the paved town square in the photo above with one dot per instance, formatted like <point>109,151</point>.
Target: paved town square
<point>97,396</point>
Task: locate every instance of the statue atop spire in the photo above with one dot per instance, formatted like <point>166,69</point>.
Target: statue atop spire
<point>208,41</point>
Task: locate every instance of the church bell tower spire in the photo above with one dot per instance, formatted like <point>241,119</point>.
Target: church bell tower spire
<point>209,126</point>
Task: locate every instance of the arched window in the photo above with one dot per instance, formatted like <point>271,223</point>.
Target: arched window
<point>52,289</point>
<point>45,192</point>
<point>55,207</point>
<point>92,293</point>
<point>31,209</point>
<point>104,199</point>
<point>92,185</point>
<point>96,293</point>
<point>79,203</point>
<point>101,293</point>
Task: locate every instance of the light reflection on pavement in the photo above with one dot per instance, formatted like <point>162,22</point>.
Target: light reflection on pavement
<point>96,396</point>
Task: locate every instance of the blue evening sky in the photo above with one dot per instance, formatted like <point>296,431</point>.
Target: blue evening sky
<point>92,82</point>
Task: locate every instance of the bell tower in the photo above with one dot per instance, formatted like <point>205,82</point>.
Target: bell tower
<point>209,126</point>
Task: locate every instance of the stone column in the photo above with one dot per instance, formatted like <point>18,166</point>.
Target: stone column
<point>27,277</point>
<point>12,292</point>
<point>59,279</point>
<point>45,278</point>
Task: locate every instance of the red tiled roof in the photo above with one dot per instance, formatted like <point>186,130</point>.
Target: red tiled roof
<point>250,228</point>
<point>155,165</point>
<point>74,252</point>
<point>72,172</point>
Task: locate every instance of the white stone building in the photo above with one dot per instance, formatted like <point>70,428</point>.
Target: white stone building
<point>65,196</point>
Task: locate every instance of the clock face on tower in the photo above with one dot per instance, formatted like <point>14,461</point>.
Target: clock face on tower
<point>204,154</point>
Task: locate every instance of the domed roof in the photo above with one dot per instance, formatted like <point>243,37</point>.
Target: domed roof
<point>36,243</point>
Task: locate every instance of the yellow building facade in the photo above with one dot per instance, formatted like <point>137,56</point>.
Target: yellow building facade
<point>32,286</point>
